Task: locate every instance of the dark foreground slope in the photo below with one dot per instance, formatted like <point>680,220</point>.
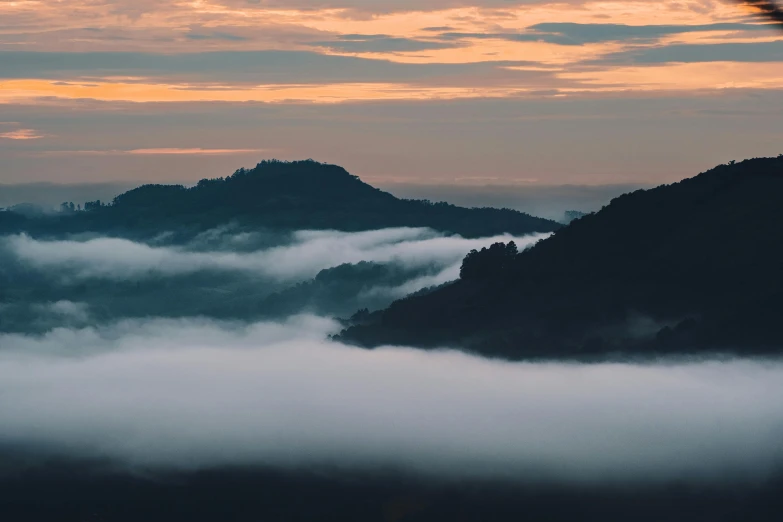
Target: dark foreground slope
<point>67,495</point>
<point>693,265</point>
<point>279,196</point>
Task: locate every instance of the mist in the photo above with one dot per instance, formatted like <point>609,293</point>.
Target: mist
<point>547,201</point>
<point>194,394</point>
<point>303,256</point>
<point>226,273</point>
<point>216,353</point>
<point>51,195</point>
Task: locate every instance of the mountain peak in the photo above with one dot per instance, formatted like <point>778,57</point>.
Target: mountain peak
<point>300,170</point>
<point>292,195</point>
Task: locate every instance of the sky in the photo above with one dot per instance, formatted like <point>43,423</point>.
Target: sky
<point>507,93</point>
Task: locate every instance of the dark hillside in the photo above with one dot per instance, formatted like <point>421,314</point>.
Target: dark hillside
<point>692,265</point>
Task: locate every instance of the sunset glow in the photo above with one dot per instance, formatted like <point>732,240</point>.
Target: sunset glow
<point>195,56</point>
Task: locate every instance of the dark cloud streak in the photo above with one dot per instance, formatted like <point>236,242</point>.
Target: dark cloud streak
<point>358,43</point>
<point>767,9</point>
<point>580,34</point>
<point>694,53</point>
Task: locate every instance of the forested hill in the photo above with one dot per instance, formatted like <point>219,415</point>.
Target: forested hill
<point>689,266</point>
<point>279,195</point>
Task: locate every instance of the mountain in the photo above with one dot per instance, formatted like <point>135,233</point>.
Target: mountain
<point>695,265</point>
<point>274,195</point>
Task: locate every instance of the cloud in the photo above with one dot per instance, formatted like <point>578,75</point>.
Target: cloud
<point>216,35</point>
<point>694,53</point>
<point>21,134</point>
<point>570,33</point>
<point>270,76</point>
<point>378,43</point>
<point>307,253</point>
<point>78,312</point>
<point>443,276</point>
<point>356,8</point>
<point>195,394</point>
<point>256,67</point>
<point>193,151</point>
<point>43,316</point>
<point>228,272</point>
<point>149,152</point>
<point>768,9</point>
<point>578,34</point>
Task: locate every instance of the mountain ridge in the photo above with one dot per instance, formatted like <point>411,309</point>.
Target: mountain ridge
<point>277,195</point>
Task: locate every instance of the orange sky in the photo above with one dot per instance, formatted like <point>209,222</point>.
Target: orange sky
<point>298,53</point>
<point>450,32</point>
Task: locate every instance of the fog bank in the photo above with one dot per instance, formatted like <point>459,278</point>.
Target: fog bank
<point>194,394</point>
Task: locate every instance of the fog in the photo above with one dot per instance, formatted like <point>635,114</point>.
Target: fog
<point>547,201</point>
<point>223,273</point>
<point>108,354</point>
<point>191,394</point>
<point>51,195</point>
<point>303,256</point>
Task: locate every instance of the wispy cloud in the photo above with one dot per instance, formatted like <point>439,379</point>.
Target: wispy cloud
<point>303,257</point>
<point>770,52</point>
<point>193,151</point>
<point>151,152</point>
<point>25,91</point>
<point>21,134</point>
<point>217,35</point>
<point>359,43</point>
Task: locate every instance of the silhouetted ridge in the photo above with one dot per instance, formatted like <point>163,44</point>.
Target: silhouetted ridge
<point>149,196</point>
<point>269,183</point>
<point>282,195</point>
<point>697,263</point>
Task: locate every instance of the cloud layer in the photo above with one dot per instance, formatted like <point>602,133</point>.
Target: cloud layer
<point>193,394</point>
<point>124,59</point>
<point>307,253</point>
<point>239,51</point>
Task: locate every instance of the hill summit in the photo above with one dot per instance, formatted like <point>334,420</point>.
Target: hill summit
<point>270,184</point>
<point>288,196</point>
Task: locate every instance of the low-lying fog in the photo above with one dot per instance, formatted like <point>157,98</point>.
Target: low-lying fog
<point>165,394</point>
<point>222,273</point>
<point>303,256</point>
<point>108,354</point>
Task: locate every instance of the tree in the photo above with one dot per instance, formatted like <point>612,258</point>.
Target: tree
<point>489,263</point>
